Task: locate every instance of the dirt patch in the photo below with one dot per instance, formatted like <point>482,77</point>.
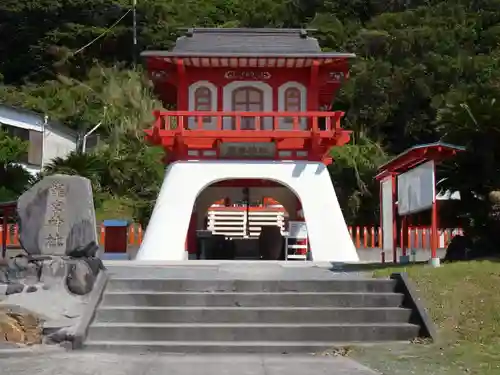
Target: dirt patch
<point>20,327</point>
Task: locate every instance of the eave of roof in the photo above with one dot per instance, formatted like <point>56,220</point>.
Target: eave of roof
<point>319,55</point>
<point>253,30</point>
<point>38,119</point>
<point>416,155</point>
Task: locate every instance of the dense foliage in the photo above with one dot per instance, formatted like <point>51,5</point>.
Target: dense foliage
<point>13,177</point>
<point>426,71</point>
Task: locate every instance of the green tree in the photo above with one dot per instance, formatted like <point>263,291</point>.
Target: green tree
<point>121,100</point>
<point>14,179</point>
<point>469,116</point>
<point>417,63</point>
<point>353,174</point>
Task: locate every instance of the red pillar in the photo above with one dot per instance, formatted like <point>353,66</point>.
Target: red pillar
<point>394,221</point>
<point>404,231</point>
<point>182,87</point>
<point>4,232</point>
<point>434,231</point>
<point>312,91</point>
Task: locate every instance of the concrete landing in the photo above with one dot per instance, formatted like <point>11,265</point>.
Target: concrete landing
<point>81,363</point>
<point>229,270</point>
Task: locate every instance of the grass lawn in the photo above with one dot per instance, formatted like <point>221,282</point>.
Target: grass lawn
<point>463,300</point>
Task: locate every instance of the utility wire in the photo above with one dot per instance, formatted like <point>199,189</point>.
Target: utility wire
<point>104,33</point>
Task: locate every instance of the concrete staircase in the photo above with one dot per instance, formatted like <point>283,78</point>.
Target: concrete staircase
<point>247,316</point>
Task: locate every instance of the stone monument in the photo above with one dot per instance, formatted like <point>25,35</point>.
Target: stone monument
<point>57,217</point>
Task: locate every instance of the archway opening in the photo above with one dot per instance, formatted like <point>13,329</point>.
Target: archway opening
<point>246,219</point>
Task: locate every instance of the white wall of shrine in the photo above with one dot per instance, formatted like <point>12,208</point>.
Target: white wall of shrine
<point>165,237</point>
<point>268,103</point>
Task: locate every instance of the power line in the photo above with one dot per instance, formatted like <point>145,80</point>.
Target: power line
<point>102,34</point>
<point>43,68</point>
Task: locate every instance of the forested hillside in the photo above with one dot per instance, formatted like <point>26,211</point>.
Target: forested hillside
<point>426,71</point>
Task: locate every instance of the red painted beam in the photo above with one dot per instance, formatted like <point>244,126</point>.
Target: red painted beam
<point>416,156</point>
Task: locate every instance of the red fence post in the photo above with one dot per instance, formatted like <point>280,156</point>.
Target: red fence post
<point>372,233</point>
<point>365,237</point>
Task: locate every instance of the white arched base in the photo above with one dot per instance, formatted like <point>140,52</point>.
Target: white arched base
<point>165,236</point>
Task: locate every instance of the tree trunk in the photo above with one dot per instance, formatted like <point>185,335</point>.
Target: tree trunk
<point>494,217</point>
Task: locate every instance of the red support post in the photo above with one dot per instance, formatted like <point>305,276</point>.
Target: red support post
<point>394,221</point>
<point>365,237</point>
<point>313,94</point>
<point>4,232</point>
<point>182,91</point>
<point>434,234</point>
<point>404,231</point>
<point>435,261</point>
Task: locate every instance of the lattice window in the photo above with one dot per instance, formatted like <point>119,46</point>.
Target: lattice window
<point>203,101</point>
<point>248,99</point>
<point>292,99</point>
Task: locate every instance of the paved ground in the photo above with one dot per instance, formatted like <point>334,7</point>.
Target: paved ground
<point>366,255</point>
<point>105,364</point>
<point>84,363</point>
<point>229,270</point>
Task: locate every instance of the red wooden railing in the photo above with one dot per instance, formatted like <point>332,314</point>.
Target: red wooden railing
<point>183,121</point>
<point>364,237</point>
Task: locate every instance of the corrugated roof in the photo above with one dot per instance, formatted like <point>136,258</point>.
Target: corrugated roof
<point>276,41</point>
<point>14,116</point>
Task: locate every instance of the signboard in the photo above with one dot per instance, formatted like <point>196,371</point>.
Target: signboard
<point>387,214</point>
<point>297,229</point>
<point>247,150</point>
<point>246,75</point>
<point>416,189</point>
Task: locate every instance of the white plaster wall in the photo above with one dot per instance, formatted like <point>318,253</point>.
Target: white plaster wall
<point>56,144</point>
<point>192,122</point>
<point>267,90</point>
<point>303,103</point>
<point>165,236</point>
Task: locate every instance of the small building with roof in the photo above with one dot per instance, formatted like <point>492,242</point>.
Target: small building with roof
<point>46,139</point>
<point>252,121</point>
<point>247,70</point>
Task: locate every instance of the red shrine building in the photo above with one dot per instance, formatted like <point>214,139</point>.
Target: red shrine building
<point>252,121</point>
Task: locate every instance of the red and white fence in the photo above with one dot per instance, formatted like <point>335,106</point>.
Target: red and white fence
<point>364,237</point>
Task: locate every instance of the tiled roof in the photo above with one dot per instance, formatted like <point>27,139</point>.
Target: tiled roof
<point>278,41</point>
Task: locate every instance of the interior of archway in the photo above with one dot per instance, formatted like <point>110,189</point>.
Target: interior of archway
<point>228,216</point>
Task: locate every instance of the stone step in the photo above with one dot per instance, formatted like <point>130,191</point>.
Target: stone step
<point>193,285</point>
<point>215,347</point>
<point>252,332</point>
<point>149,314</point>
<point>252,299</point>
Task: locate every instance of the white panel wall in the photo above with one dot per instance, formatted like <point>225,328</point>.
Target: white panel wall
<point>387,214</point>
<point>416,189</point>
<point>165,237</point>
<point>57,144</point>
